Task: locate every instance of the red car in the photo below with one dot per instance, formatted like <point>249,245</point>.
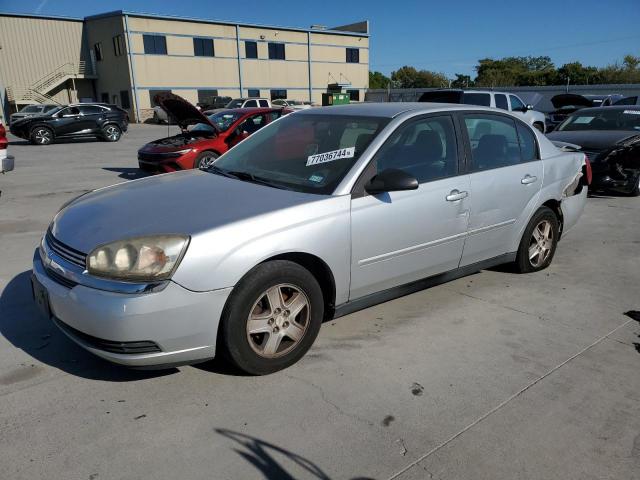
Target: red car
<point>203,138</point>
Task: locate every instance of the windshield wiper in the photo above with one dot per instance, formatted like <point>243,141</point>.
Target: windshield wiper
<point>255,179</point>
<point>220,171</point>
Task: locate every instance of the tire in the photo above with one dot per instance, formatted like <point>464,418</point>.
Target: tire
<point>41,136</point>
<point>635,192</point>
<point>111,132</point>
<point>270,348</point>
<point>539,126</point>
<point>205,159</point>
<point>543,225</point>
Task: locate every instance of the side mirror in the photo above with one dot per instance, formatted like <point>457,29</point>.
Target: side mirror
<point>528,107</point>
<point>391,180</point>
<point>8,164</point>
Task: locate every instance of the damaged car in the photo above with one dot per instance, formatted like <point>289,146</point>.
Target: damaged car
<point>567,103</point>
<point>315,216</point>
<point>610,137</point>
<point>202,138</point>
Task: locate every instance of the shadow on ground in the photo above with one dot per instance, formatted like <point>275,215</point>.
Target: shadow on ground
<point>23,325</point>
<point>262,455</point>
<point>127,173</point>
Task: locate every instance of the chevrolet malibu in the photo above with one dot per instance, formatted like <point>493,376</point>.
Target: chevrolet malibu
<point>314,216</point>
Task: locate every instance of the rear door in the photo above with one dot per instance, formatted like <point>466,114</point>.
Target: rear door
<point>92,117</point>
<point>506,177</point>
<point>400,237</point>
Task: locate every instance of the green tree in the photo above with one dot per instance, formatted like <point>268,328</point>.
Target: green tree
<point>409,77</point>
<point>462,81</point>
<point>378,80</point>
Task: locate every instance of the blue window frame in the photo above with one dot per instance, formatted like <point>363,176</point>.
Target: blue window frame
<point>251,49</point>
<point>353,55</point>
<point>203,47</point>
<point>155,44</point>
<point>276,51</point>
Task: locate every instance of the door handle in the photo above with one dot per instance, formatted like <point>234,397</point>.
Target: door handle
<point>456,195</point>
<point>527,179</point>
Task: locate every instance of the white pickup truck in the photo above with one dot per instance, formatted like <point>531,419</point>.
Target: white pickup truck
<point>488,98</point>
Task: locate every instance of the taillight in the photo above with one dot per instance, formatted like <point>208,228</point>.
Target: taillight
<point>587,169</point>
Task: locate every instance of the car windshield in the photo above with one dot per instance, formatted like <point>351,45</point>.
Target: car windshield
<point>237,103</point>
<point>602,119</point>
<point>224,120</point>
<point>305,153</point>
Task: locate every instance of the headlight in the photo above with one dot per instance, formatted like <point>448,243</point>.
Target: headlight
<point>138,259</point>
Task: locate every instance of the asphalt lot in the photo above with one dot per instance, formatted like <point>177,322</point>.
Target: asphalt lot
<point>493,376</point>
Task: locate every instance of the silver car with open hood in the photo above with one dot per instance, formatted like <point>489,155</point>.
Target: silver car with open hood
<point>317,215</point>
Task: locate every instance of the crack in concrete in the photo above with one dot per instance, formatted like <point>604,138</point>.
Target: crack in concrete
<point>326,400</point>
<point>505,402</point>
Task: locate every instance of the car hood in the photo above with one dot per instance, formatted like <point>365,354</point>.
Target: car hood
<point>188,202</point>
<point>183,112</point>
<point>570,100</point>
<point>593,139</point>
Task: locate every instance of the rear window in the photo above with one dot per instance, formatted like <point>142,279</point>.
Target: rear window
<point>482,99</point>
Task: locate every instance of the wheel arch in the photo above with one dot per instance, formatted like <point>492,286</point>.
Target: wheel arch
<point>555,206</point>
<point>320,270</point>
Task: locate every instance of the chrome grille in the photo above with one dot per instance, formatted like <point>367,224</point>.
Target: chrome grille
<point>64,251</point>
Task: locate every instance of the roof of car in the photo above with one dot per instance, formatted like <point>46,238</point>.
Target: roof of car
<point>390,109</point>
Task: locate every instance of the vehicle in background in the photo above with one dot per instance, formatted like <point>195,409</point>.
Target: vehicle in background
<point>6,161</point>
<point>215,102</point>
<point>160,115</point>
<point>502,100</point>
<point>610,137</point>
<point>81,120</point>
<point>567,103</point>
<point>31,111</point>
<point>322,213</point>
<point>249,102</point>
<point>634,100</point>
<point>292,104</point>
<point>202,138</point>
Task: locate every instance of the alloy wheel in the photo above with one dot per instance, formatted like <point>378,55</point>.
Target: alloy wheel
<point>541,243</point>
<point>278,321</point>
<point>43,136</point>
<point>112,133</point>
<point>207,161</point>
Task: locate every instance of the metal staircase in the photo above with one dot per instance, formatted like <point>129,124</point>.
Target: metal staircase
<point>38,91</point>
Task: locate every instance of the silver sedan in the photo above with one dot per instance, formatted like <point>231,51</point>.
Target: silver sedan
<point>317,215</point>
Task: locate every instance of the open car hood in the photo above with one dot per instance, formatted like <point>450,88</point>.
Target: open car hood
<point>570,100</point>
<point>184,113</point>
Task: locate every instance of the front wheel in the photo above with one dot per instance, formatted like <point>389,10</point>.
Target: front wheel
<point>205,159</point>
<point>112,133</point>
<point>272,317</point>
<point>41,136</point>
<point>539,242</point>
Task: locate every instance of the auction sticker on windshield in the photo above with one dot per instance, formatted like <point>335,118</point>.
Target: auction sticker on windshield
<point>331,156</point>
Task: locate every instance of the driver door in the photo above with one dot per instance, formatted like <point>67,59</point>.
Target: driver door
<point>400,237</point>
<point>67,121</point>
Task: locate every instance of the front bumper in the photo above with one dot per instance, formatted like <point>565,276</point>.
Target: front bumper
<point>164,162</point>
<point>181,323</point>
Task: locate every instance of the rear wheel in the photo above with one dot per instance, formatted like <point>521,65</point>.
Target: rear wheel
<point>41,136</point>
<point>271,318</point>
<point>111,133</point>
<point>205,159</point>
<point>539,242</point>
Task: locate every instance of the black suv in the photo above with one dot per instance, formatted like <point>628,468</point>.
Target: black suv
<point>101,120</point>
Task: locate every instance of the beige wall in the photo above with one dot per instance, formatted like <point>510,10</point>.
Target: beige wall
<point>113,71</point>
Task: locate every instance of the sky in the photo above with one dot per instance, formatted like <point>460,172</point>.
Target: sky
<point>443,36</point>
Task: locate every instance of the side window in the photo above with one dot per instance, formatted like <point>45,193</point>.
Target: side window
<point>424,148</point>
<point>90,110</point>
<point>627,101</point>
<point>155,44</point>
<point>528,146</point>
<point>251,49</point>
<point>97,49</point>
<point>251,103</point>
<point>501,101</point>
<point>263,103</point>
<point>516,104</point>
<point>69,112</point>
<point>254,123</point>
<point>275,115</point>
<point>494,141</point>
